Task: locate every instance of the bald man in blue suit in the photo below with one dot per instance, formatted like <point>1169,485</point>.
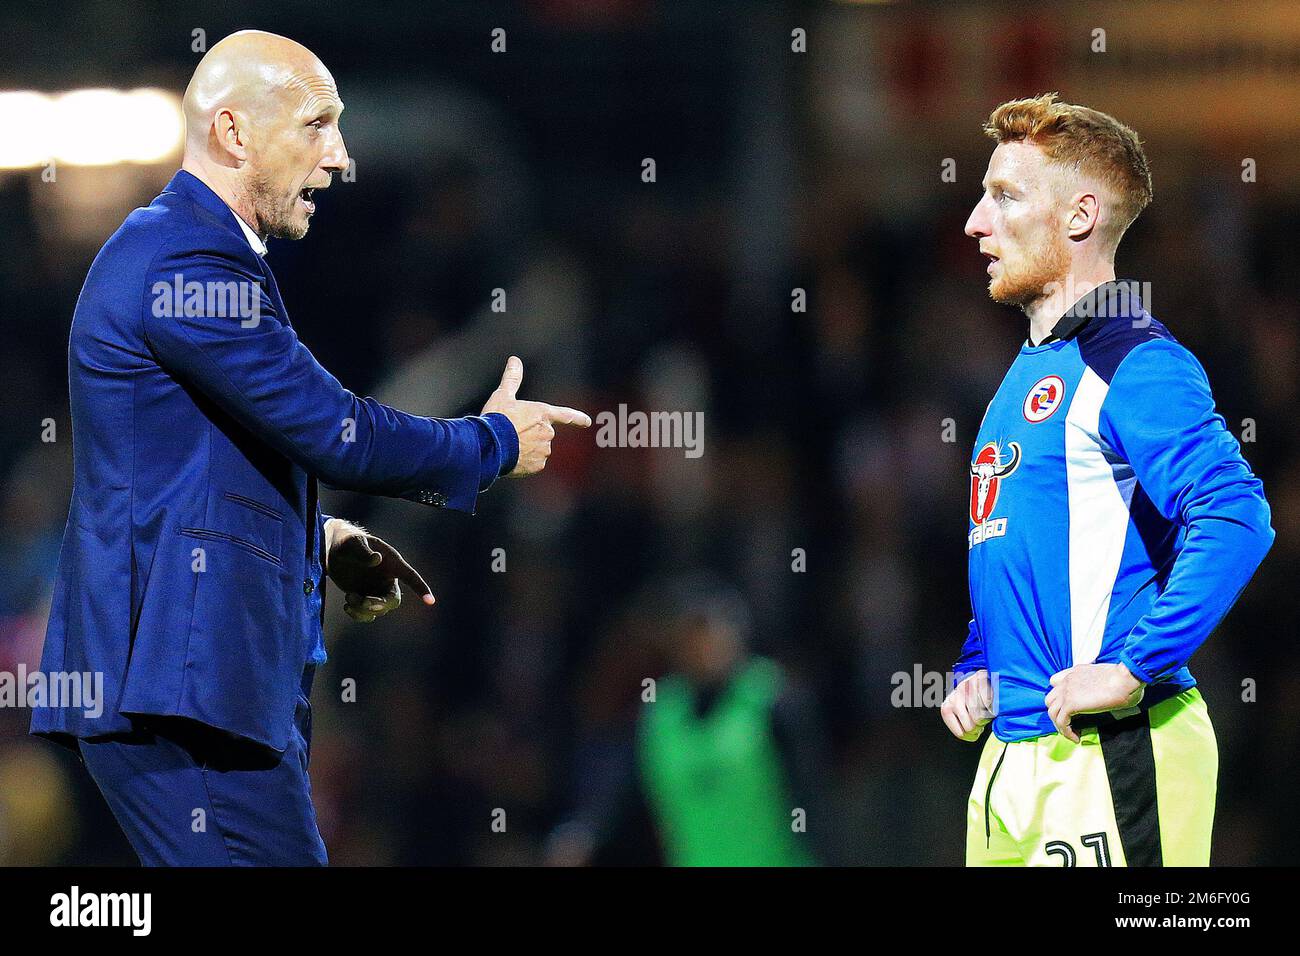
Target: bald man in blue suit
<point>195,558</point>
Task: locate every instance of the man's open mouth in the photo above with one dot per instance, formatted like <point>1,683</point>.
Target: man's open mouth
<point>305,195</point>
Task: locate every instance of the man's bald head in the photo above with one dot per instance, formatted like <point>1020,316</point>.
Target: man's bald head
<point>261,119</point>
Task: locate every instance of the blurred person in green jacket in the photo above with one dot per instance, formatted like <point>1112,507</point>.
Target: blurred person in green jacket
<point>724,760</point>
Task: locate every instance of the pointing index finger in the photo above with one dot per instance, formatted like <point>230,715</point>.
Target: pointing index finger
<point>404,572</point>
<point>561,415</point>
<point>412,577</point>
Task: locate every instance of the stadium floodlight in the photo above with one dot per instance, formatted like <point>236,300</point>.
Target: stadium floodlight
<point>92,127</point>
<point>25,118</point>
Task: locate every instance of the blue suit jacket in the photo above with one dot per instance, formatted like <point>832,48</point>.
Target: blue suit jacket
<point>190,573</point>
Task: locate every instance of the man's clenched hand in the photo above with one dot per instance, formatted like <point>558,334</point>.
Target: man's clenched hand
<point>969,707</point>
<point>534,421</point>
<point>1090,689</point>
<point>367,569</point>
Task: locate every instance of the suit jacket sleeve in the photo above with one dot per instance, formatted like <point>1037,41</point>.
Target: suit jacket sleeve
<point>253,366</point>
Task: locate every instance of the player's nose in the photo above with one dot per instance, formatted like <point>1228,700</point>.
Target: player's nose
<point>977,225</point>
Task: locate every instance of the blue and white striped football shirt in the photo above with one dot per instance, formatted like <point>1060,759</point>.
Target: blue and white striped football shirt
<point>1112,516</point>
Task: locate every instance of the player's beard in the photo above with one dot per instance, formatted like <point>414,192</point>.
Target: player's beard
<point>277,218</point>
<point>1045,270</point>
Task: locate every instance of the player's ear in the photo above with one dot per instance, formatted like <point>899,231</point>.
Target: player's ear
<point>1084,212</point>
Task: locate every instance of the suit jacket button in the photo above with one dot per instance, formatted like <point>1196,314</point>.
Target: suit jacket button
<point>308,587</point>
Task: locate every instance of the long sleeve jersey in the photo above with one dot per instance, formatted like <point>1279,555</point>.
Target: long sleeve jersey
<point>1112,516</point>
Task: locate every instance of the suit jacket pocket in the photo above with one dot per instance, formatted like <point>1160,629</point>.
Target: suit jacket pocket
<point>209,534</point>
<point>244,522</point>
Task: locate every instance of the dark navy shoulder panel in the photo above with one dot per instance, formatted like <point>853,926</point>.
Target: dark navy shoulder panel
<point>1106,341</point>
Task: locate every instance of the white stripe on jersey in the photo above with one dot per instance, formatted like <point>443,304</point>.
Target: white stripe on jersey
<point>1100,489</point>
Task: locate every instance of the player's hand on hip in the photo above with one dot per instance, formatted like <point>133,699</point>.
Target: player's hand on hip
<point>969,707</point>
<point>534,421</point>
<point>368,571</point>
<point>1090,689</point>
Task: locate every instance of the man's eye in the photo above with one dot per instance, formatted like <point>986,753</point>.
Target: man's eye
<point>316,124</point>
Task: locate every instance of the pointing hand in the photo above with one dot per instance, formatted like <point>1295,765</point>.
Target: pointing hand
<point>534,421</point>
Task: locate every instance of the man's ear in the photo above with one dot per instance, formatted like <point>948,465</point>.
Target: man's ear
<point>1085,210</point>
<point>229,133</point>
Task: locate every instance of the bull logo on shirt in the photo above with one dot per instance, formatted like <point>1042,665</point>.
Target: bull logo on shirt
<point>986,474</point>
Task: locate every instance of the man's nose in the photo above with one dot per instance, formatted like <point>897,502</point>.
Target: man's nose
<point>336,156</point>
<point>977,226</point>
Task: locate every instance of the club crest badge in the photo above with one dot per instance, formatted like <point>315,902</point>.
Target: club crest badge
<point>1044,398</point>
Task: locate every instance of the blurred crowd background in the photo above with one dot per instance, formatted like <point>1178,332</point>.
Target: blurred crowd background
<point>831,494</point>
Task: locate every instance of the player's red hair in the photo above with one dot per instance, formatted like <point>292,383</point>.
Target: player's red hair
<point>1089,140</point>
